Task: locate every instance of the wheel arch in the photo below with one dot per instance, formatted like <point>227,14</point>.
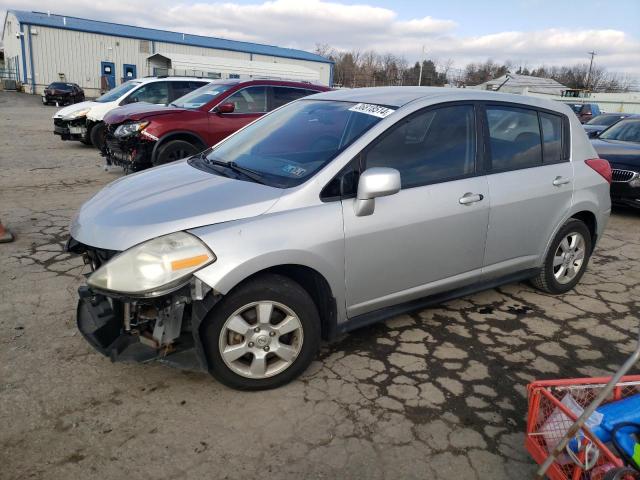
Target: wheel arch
<point>185,135</point>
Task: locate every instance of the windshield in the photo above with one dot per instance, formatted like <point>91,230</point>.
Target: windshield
<point>290,145</point>
<point>604,120</point>
<point>116,93</point>
<point>202,95</point>
<point>625,130</point>
<point>61,86</point>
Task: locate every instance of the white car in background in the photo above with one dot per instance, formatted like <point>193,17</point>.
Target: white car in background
<point>83,121</point>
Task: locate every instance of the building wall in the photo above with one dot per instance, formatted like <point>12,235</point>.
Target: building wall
<point>77,56</point>
<point>11,44</point>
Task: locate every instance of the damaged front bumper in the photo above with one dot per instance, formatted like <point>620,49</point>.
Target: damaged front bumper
<point>70,129</point>
<point>126,329</point>
<point>131,153</point>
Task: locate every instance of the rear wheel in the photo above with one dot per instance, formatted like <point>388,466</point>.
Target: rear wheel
<point>263,334</point>
<point>97,135</point>
<point>174,150</point>
<point>566,259</point>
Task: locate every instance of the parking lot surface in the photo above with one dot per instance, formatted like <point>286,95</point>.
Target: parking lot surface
<point>439,393</point>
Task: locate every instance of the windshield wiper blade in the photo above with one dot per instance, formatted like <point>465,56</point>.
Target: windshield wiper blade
<point>247,172</point>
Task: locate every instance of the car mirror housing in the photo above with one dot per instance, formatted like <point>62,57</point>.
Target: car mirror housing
<point>225,108</point>
<point>373,183</point>
<point>594,134</point>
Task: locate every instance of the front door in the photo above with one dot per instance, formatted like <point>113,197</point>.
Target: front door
<point>530,183</point>
<point>108,72</point>
<point>431,235</point>
<point>130,72</point>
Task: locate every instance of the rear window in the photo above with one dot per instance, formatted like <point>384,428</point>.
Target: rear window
<point>514,135</point>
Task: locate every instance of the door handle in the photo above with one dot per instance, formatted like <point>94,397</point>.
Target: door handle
<point>560,181</point>
<point>469,198</point>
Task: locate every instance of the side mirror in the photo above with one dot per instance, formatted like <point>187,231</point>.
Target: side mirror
<point>594,134</point>
<point>225,108</point>
<point>375,182</point>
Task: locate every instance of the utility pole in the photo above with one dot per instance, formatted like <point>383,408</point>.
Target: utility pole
<point>421,62</point>
<point>593,54</point>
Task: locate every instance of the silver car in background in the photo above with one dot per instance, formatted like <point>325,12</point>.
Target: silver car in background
<point>331,213</point>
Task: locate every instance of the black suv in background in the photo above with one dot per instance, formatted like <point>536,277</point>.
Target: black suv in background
<point>62,93</point>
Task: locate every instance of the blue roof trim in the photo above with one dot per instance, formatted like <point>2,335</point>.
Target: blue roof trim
<point>154,35</point>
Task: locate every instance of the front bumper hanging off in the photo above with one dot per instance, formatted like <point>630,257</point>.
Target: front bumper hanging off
<point>114,328</point>
<point>70,129</point>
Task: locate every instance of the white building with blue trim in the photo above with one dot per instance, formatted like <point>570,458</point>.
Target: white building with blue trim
<point>40,48</point>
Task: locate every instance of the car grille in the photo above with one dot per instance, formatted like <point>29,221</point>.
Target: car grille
<point>623,175</point>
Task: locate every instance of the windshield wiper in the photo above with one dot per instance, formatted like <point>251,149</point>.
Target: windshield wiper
<point>247,172</point>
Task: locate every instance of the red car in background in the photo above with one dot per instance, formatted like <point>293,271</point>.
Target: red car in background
<point>142,135</point>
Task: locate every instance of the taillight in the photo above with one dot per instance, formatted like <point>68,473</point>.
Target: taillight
<point>601,166</point>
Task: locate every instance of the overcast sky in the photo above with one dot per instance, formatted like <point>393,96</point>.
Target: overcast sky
<point>527,32</point>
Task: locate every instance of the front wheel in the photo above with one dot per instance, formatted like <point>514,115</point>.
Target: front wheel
<point>97,135</point>
<point>566,260</point>
<point>262,335</point>
<point>174,150</point>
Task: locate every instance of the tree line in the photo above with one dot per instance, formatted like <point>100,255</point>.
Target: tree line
<point>369,69</point>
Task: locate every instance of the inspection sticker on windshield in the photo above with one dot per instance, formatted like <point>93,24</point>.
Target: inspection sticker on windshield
<point>371,109</point>
<point>293,170</point>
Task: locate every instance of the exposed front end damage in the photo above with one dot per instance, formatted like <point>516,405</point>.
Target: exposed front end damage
<point>75,129</point>
<point>132,153</point>
<point>127,329</point>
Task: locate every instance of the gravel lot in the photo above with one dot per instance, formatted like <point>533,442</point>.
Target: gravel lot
<point>436,394</point>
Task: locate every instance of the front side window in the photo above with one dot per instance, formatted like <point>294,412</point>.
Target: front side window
<point>249,100</point>
<point>284,95</point>
<point>287,147</point>
<point>114,94</point>
<point>625,130</point>
<point>552,137</point>
<point>432,146</point>
<point>155,92</point>
<point>514,135</point>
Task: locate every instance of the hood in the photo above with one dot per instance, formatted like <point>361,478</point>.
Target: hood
<point>138,111</point>
<point>63,112</point>
<point>164,200</point>
<point>620,154</point>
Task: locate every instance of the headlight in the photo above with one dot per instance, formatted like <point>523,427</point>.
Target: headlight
<point>129,129</point>
<point>154,267</point>
<point>76,114</point>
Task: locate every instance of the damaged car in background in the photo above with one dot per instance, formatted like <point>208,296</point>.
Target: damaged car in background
<point>330,213</point>
<point>84,121</point>
<point>142,136</point>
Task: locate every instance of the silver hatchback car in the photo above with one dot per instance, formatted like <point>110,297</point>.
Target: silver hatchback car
<point>330,213</point>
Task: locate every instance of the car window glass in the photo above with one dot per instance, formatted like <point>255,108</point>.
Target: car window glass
<point>202,95</point>
<point>114,94</point>
<point>180,89</point>
<point>249,100</point>
<point>514,136</point>
<point>552,137</point>
<point>432,146</point>
<point>625,130</point>
<point>156,92</point>
<point>284,95</point>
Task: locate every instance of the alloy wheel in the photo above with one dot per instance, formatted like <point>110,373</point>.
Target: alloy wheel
<point>569,257</point>
<point>261,339</point>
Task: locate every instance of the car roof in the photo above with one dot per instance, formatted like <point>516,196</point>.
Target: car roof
<point>400,96</point>
<point>171,79</point>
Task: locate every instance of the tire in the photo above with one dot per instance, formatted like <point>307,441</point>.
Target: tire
<point>97,135</point>
<point>174,150</point>
<point>565,275</point>
<point>288,300</point>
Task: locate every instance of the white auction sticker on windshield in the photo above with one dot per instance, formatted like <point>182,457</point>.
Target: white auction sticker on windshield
<point>371,109</point>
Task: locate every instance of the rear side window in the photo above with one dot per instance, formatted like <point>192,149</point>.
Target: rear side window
<point>284,95</point>
<point>432,146</point>
<point>552,137</point>
<point>514,136</point>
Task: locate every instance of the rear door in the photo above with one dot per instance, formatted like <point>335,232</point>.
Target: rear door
<point>530,184</point>
<point>249,102</point>
<point>430,236</point>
